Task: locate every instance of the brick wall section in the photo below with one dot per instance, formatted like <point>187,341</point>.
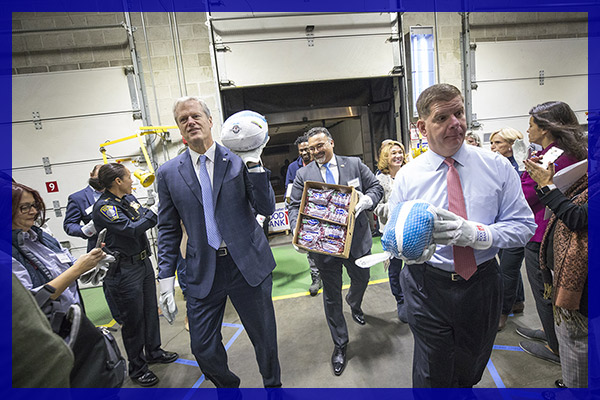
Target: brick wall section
<point>40,52</point>
<point>67,50</point>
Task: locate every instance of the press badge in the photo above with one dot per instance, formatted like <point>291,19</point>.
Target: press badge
<point>89,209</point>
<point>355,183</point>
<point>63,258</point>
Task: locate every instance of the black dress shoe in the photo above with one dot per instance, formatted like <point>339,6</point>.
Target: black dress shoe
<point>560,384</point>
<point>166,358</point>
<point>148,379</point>
<point>338,360</point>
<point>359,317</point>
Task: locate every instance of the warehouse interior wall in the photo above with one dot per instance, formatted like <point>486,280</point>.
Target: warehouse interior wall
<point>176,60</point>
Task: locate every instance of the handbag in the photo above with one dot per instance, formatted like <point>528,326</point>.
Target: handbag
<point>98,359</point>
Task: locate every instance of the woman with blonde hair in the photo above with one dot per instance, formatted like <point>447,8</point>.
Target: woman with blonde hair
<point>392,157</point>
<point>502,142</point>
<point>510,259</point>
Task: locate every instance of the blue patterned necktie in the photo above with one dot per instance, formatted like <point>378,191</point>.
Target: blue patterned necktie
<point>328,175</point>
<point>212,232</point>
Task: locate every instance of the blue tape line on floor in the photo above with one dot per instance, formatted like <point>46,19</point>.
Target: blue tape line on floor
<point>511,348</point>
<point>186,362</point>
<point>240,329</point>
<point>495,375</point>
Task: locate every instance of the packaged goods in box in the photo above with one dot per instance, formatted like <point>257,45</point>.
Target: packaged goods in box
<point>326,219</point>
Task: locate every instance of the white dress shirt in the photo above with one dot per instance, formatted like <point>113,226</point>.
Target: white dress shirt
<point>492,191</point>
<point>333,168</point>
<point>210,162</point>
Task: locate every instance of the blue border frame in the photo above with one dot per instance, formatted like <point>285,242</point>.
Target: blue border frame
<point>590,6</point>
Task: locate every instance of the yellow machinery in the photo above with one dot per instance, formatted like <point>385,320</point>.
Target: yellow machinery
<point>146,178</point>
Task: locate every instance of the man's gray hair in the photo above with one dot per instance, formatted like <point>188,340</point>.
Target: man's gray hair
<point>185,99</point>
<point>319,129</point>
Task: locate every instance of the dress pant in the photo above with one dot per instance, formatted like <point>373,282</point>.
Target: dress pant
<point>133,290</point>
<point>510,264</point>
<point>573,339</point>
<point>255,308</point>
<point>394,270</point>
<point>330,269</point>
<point>454,323</point>
<point>311,264</point>
<point>543,306</point>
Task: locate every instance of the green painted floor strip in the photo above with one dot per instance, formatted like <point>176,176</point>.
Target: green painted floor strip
<point>291,278</point>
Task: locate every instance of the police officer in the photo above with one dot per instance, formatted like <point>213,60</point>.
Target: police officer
<point>131,281</point>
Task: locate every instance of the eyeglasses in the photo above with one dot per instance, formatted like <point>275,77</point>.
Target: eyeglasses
<point>25,208</point>
<point>318,147</point>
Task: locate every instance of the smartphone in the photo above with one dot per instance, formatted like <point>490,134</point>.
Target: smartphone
<point>101,237</point>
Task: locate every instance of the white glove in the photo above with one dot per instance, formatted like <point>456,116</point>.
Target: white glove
<point>166,300</point>
<point>96,275</point>
<point>450,229</point>
<point>253,156</point>
<point>298,249</point>
<point>89,229</point>
<point>426,256</point>
<point>364,202</point>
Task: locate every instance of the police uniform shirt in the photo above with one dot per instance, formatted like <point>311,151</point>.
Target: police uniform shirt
<point>127,222</point>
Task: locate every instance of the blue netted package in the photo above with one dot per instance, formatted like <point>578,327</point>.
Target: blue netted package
<point>409,230</point>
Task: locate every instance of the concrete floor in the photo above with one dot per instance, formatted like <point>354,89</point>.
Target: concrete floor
<point>379,353</point>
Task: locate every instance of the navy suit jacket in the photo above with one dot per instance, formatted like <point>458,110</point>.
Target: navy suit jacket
<point>235,194</point>
<point>77,204</point>
<point>349,168</point>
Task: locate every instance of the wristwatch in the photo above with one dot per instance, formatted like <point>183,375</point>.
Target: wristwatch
<point>545,189</point>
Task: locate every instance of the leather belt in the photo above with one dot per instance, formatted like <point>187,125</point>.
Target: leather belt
<point>222,252</point>
<point>453,276</point>
<point>139,257</point>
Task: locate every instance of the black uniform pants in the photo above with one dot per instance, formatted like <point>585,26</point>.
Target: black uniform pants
<point>454,323</point>
<point>330,269</point>
<point>536,281</point>
<point>254,305</point>
<point>133,289</point>
<point>511,260</point>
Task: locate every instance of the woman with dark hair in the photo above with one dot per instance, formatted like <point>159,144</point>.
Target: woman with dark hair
<point>564,264</point>
<point>131,281</point>
<point>391,158</point>
<point>37,258</point>
<point>551,125</point>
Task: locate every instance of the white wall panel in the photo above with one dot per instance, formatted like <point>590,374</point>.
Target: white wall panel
<point>56,94</point>
<point>72,144</point>
<point>277,50</point>
<point>525,58</point>
<point>507,75</point>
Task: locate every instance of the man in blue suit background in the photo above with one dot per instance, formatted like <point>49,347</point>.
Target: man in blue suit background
<point>79,209</point>
<point>213,192</point>
<point>78,222</point>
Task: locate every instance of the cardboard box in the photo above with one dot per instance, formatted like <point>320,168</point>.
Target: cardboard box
<point>348,226</point>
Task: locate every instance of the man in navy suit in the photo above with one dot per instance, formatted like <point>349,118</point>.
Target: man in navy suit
<point>79,209</point>
<point>227,253</point>
<point>78,222</point>
<point>348,171</point>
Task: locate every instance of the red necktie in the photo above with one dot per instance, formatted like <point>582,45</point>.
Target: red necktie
<point>464,258</point>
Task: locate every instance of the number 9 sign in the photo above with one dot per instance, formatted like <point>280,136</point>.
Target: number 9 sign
<point>52,187</point>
